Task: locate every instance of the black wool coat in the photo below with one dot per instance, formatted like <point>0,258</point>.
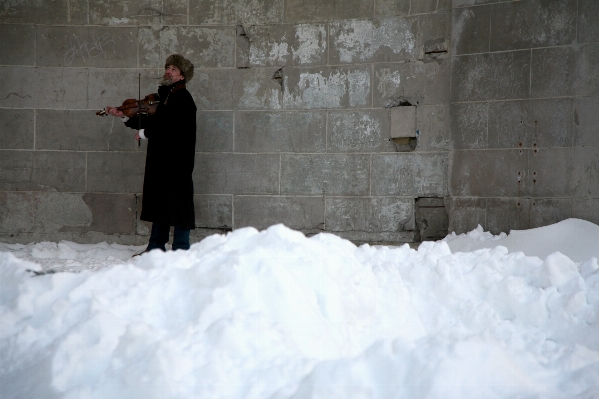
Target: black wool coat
<point>171,132</point>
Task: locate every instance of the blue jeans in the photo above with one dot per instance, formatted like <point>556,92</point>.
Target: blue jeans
<point>159,237</point>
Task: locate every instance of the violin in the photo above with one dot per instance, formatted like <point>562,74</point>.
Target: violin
<point>132,107</point>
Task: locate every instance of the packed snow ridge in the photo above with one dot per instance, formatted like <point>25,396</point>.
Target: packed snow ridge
<point>274,314</point>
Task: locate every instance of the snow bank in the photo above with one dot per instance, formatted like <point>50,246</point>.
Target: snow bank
<point>575,238</point>
<point>274,314</point>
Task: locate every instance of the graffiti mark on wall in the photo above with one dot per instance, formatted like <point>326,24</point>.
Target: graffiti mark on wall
<point>81,48</point>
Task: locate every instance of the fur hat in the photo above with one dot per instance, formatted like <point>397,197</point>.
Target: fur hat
<point>182,63</point>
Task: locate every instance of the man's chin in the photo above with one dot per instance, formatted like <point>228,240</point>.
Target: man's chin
<point>165,82</point>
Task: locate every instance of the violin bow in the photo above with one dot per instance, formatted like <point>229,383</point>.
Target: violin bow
<point>139,107</point>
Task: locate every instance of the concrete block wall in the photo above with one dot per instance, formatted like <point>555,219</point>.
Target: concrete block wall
<point>524,113</point>
<point>293,117</point>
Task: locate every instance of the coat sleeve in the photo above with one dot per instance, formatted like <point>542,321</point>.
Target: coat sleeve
<point>176,116</point>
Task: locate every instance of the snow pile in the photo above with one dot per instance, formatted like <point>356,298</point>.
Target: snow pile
<point>575,238</point>
<point>274,314</point>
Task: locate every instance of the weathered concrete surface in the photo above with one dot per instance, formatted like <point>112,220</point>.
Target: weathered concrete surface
<point>359,131</point>
<point>425,83</point>
<point>214,131</point>
<point>42,171</point>
<point>300,132</point>
<point>16,129</point>
<point>115,172</point>
<point>409,174</point>
<point>20,45</point>
<point>382,219</point>
<point>586,123</point>
<point>471,28</point>
<point>587,27</point>
<point>213,211</point>
<point>532,23</point>
<point>99,47</point>
<point>327,87</point>
<point>26,87</point>
<point>307,10</point>
<point>325,174</point>
<point>236,174</point>
<point>384,40</point>
<point>490,173</point>
<point>246,12</point>
<point>305,214</point>
<point>287,45</point>
<point>211,47</point>
<point>565,71</point>
<point>491,76</point>
<point>434,125</point>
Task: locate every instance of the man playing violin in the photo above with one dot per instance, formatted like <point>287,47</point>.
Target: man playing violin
<point>171,133</point>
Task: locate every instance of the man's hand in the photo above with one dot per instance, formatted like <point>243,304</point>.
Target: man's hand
<point>114,112</point>
<point>137,135</point>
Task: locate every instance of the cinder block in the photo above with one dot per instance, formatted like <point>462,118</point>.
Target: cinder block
<point>546,211</point>
<point>565,71</point>
<point>98,47</point>
<point>552,172</point>
<point>72,130</point>
<point>260,131</point>
<point>425,83</point>
<point>111,213</point>
<point>588,21</point>
<point>465,214</point>
<point>585,208</point>
<point>586,122</point>
<point>585,174</point>
<point>387,8</point>
<point>465,3</point>
<point>326,87</point>
<point>434,35</point>
<point>381,40</point>
<point>443,5</point>
<point>42,171</point>
<point>305,214</point>
<point>403,121</point>
<point>115,172</point>
<point>379,238</point>
<point>242,48</point>
<point>410,174</point>
<point>470,30</point>
<point>230,89</point>
<point>530,123</point>
<point>214,131</point>
<point>533,23</point>
<point>310,11</point>
<point>495,76</point>
<point>43,12</point>
<point>469,125</point>
<point>131,12</point>
<point>236,174</point>
<point>113,86</point>
<point>507,214</point>
<point>16,129</point>
<point>359,131</point>
<point>47,212</point>
<point>434,124</point>
<point>370,215</point>
<point>246,12</point>
<point>18,44</point>
<point>325,174</point>
<point>212,47</point>
<point>423,6</point>
<point>26,87</point>
<point>213,211</point>
<point>500,173</point>
<point>287,45</point>
<point>432,220</point>
<point>120,137</point>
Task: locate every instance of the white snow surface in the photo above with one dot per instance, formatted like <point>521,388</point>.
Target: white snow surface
<point>274,314</point>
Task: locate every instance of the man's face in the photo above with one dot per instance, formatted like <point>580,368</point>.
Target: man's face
<point>172,74</point>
